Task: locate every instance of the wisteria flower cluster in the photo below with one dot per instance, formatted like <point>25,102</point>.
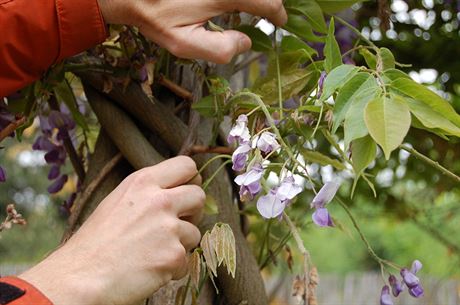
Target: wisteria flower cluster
<point>55,128</point>
<point>409,279</point>
<point>272,204</point>
<point>5,119</point>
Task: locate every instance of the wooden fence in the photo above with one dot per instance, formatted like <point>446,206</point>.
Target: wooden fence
<point>353,289</point>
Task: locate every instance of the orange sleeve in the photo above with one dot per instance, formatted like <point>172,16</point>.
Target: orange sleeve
<point>34,34</point>
<point>30,296</point>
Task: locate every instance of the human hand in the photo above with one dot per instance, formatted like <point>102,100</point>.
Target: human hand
<point>135,242</point>
<point>177,25</point>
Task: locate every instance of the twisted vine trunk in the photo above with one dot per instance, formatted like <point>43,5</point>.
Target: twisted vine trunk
<point>145,132</point>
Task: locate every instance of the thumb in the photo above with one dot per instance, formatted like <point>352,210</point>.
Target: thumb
<point>198,43</point>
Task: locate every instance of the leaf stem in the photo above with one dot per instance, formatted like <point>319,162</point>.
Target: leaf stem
<point>357,32</point>
<point>430,162</point>
<point>278,76</point>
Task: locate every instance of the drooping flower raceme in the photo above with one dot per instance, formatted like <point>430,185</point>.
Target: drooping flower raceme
<point>249,182</point>
<point>274,203</point>
<point>240,157</point>
<point>321,216</point>
<point>266,142</point>
<point>239,131</point>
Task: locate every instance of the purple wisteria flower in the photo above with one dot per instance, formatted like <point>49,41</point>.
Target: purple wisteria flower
<point>2,175</point>
<point>240,157</point>
<point>322,78</point>
<point>412,281</point>
<point>266,142</point>
<point>249,182</point>
<point>385,297</point>
<point>58,184</point>
<point>288,189</point>
<point>239,131</point>
<point>396,285</point>
<point>271,205</point>
<point>274,203</point>
<point>62,122</point>
<point>54,172</point>
<point>321,216</point>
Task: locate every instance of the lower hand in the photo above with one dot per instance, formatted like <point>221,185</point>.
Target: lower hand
<point>134,242</point>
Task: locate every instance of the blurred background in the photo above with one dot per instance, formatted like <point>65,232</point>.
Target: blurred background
<point>416,214</point>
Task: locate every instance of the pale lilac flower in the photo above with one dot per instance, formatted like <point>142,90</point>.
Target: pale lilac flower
<point>266,142</point>
<point>396,286</point>
<point>240,157</point>
<point>288,189</point>
<point>325,195</point>
<point>411,280</point>
<point>249,182</point>
<point>321,216</point>
<point>239,131</point>
<point>416,266</point>
<point>385,297</point>
<point>271,205</point>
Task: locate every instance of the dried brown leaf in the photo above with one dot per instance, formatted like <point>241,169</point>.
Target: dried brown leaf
<point>209,253</point>
<point>194,266</point>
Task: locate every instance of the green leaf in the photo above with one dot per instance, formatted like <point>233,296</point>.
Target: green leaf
<point>319,158</point>
<point>393,74</point>
<point>336,78</point>
<point>431,119</point>
<point>369,58</point>
<point>428,97</point>
<point>208,106</point>
<point>293,78</point>
<point>363,152</point>
<point>386,60</point>
<point>311,10</point>
<point>359,83</point>
<point>333,57</point>
<point>64,93</point>
<point>260,41</point>
<point>354,126</point>
<point>299,26</point>
<point>292,43</point>
<point>334,6</point>
<point>388,121</point>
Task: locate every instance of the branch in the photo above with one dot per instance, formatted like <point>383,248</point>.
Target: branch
<point>430,162</point>
<point>11,128</point>
<point>175,88</point>
<point>86,194</point>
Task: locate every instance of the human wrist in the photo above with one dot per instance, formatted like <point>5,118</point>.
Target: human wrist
<point>64,281</point>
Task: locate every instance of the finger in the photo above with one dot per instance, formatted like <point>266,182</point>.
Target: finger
<point>172,172</point>
<point>196,180</point>
<point>186,200</point>
<point>189,235</point>
<point>197,42</point>
<point>273,10</point>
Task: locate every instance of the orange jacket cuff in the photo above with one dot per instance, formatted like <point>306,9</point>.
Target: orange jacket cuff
<point>81,26</point>
<point>32,295</point>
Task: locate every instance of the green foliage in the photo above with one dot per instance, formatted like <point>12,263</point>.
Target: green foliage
<point>332,54</point>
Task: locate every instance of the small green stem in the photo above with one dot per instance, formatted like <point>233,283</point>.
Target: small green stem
<point>371,251</point>
<point>209,162</point>
<point>430,162</point>
<point>206,184</point>
<point>278,76</point>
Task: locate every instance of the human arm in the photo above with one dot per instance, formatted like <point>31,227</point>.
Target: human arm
<point>40,33</point>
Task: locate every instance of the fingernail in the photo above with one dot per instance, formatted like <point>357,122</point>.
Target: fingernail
<point>244,44</point>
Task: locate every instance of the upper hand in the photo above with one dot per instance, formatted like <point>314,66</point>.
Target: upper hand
<point>177,25</point>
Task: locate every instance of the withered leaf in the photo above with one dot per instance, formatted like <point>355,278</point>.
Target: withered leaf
<point>194,266</point>
<point>209,253</point>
